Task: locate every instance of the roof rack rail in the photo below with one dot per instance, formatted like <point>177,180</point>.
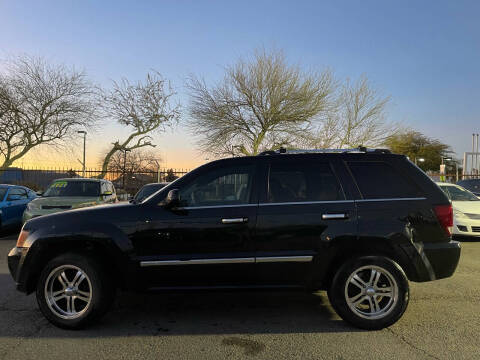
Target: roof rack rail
<point>360,149</point>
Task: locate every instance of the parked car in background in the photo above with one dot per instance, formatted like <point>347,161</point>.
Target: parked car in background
<point>358,223</point>
<point>466,209</point>
<point>472,185</point>
<point>71,193</point>
<point>148,190</point>
<point>13,200</point>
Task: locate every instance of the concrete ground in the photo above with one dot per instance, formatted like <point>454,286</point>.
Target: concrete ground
<point>441,322</point>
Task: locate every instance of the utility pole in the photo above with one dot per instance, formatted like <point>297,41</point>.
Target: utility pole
<point>84,150</point>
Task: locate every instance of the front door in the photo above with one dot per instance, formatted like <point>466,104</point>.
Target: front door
<point>208,240</point>
<point>16,202</point>
<point>303,210</point>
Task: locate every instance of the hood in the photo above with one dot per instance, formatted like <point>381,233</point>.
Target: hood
<point>110,213</point>
<point>64,201</point>
<point>469,207</point>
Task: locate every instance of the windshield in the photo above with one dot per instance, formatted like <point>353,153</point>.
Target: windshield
<point>3,191</point>
<point>73,188</point>
<point>458,194</point>
<point>146,191</point>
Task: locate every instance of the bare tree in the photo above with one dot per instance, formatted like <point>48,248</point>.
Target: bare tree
<point>40,103</point>
<point>144,107</point>
<point>137,160</point>
<point>260,105</point>
<point>357,119</point>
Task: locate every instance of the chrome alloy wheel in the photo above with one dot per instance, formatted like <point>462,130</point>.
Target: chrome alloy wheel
<point>68,292</point>
<point>371,292</point>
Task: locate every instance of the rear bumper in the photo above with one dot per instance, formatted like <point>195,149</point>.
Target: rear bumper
<point>432,261</point>
<point>443,257</point>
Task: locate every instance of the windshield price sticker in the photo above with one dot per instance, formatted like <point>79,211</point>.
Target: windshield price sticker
<point>59,184</point>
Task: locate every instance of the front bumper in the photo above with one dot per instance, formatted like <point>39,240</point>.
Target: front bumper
<point>466,227</point>
<point>15,258</point>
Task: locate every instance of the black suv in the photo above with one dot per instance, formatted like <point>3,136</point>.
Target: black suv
<point>357,223</point>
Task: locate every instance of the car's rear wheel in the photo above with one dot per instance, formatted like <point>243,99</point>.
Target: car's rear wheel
<point>370,292</point>
<point>73,291</point>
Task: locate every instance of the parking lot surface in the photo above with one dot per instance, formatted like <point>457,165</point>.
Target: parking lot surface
<point>441,322</point>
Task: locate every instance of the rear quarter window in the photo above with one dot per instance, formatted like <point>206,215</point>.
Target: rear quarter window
<point>380,180</point>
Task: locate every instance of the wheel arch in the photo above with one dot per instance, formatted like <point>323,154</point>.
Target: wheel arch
<point>342,251</point>
<point>42,252</point>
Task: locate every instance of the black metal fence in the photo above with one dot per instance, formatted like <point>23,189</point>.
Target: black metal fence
<point>124,181</point>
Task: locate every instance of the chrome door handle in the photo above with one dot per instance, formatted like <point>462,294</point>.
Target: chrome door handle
<point>334,216</point>
<point>235,221</point>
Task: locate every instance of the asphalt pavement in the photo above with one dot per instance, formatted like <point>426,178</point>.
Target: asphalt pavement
<point>441,322</point>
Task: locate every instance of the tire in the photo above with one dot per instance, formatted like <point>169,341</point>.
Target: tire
<point>365,299</point>
<point>73,291</point>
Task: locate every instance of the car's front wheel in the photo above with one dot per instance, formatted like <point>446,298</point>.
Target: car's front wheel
<point>370,292</point>
<point>73,290</point>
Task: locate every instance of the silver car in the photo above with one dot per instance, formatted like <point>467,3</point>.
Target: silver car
<point>71,193</point>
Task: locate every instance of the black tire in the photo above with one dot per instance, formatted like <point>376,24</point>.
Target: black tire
<point>388,306</point>
<point>93,295</point>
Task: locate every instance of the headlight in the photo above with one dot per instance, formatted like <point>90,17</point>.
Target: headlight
<point>32,206</point>
<point>459,214</point>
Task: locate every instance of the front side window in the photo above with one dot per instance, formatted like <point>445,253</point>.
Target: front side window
<point>73,188</point>
<point>220,186</point>
<point>302,182</point>
<point>379,180</point>
<point>17,194</point>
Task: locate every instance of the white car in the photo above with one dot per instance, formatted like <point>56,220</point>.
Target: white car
<point>466,210</point>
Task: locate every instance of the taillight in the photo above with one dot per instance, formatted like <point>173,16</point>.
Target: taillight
<point>445,217</point>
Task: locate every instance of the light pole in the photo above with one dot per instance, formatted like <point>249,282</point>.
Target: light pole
<point>124,167</point>
<point>84,149</point>
<point>420,160</point>
<point>447,158</point>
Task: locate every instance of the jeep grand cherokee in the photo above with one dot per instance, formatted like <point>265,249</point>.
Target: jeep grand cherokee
<point>358,223</point>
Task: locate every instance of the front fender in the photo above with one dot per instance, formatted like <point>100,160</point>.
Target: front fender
<point>108,244</point>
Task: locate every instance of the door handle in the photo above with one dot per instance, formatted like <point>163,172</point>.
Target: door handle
<point>334,216</point>
<point>235,220</point>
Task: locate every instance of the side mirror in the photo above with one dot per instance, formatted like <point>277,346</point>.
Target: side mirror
<point>173,199</point>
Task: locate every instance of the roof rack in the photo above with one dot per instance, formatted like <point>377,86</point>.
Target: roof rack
<point>360,149</point>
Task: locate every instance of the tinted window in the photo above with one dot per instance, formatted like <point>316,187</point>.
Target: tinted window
<point>221,186</point>
<point>73,188</point>
<point>377,180</point>
<point>472,185</point>
<point>146,191</point>
<point>302,181</point>
<point>15,192</point>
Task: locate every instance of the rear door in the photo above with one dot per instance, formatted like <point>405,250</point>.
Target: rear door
<point>303,209</point>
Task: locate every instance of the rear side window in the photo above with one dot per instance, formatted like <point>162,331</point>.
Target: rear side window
<point>379,180</point>
<point>290,181</point>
